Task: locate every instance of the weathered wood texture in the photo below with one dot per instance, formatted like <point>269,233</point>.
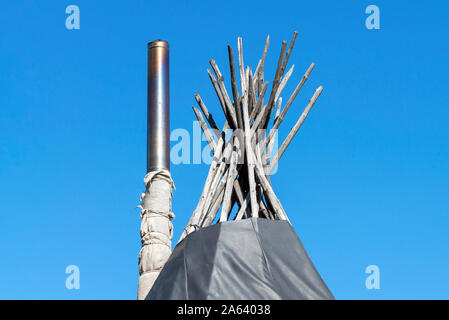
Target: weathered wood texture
<point>242,164</point>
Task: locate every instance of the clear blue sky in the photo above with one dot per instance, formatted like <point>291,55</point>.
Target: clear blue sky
<point>371,162</point>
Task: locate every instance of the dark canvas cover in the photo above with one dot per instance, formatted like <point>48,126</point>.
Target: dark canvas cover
<point>247,259</point>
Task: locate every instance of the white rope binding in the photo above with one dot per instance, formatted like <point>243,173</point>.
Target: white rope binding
<point>156,229</point>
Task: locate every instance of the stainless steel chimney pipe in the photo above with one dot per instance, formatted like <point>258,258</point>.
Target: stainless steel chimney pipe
<point>158,109</point>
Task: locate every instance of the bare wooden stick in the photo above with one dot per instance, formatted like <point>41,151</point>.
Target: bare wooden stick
<point>262,207</point>
<point>216,159</point>
<point>263,144</point>
<point>247,84</point>
<point>192,225</point>
<point>219,95</point>
<point>222,167</point>
<point>269,209</point>
<point>266,185</point>
<point>279,120</point>
<point>205,128</point>
<point>268,190</point>
<point>215,195</point>
<point>237,189</point>
<point>284,83</point>
<point>278,110</point>
<point>260,67</point>
<point>258,151</point>
<point>243,207</point>
<point>305,77</point>
<point>227,101</point>
<point>276,82</point>
<point>252,98</point>
<point>255,74</point>
<point>293,132</point>
<point>225,95</point>
<point>264,116</point>
<point>289,51</point>
<point>272,141</point>
<point>250,166</point>
<point>209,218</point>
<point>295,129</point>
<point>218,197</point>
<point>229,183</point>
<point>208,115</point>
<point>243,83</point>
<point>235,92</point>
<point>259,102</point>
<point>258,74</point>
<point>245,204</point>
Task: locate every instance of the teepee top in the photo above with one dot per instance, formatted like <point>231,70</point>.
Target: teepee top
<point>243,161</point>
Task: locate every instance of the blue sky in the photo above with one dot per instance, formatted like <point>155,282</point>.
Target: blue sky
<point>371,162</point>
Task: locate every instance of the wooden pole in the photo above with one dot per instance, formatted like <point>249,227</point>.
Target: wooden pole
<point>295,129</point>
<point>230,181</point>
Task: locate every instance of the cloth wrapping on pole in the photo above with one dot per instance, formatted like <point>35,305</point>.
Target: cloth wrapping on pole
<point>156,229</point>
<point>250,259</point>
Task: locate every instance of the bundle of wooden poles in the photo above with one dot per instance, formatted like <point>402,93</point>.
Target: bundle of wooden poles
<point>243,161</point>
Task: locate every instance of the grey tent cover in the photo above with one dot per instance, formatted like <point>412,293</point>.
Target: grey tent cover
<point>245,259</point>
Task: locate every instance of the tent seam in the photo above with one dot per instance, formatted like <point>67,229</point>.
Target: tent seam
<point>185,270</point>
<point>265,258</point>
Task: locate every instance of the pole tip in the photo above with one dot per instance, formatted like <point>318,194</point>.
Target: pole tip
<point>158,43</point>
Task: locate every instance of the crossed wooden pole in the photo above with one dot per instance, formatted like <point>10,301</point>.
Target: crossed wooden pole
<point>243,161</point>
